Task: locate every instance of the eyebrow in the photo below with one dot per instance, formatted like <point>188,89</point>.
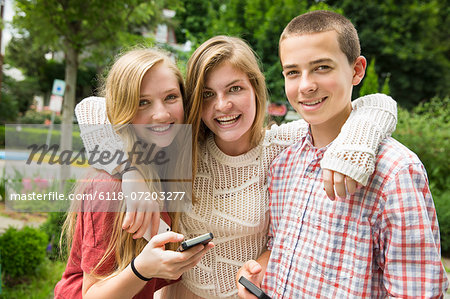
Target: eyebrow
<point>317,61</point>
<point>229,84</point>
<point>166,91</point>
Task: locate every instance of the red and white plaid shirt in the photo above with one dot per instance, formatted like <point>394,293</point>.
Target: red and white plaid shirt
<point>382,241</point>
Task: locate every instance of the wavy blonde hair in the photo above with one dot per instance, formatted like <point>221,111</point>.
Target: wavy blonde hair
<point>121,90</point>
<point>206,58</point>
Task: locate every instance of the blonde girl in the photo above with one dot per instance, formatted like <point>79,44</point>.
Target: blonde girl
<point>144,94</point>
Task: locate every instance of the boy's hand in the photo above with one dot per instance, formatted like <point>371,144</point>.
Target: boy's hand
<point>252,271</point>
<point>140,214</point>
<point>335,181</point>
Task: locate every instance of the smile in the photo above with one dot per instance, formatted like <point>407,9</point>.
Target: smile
<point>160,129</point>
<point>315,102</point>
<point>227,120</point>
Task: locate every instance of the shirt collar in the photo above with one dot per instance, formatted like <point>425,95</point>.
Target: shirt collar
<point>308,144</point>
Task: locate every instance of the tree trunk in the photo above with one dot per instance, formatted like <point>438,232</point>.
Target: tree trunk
<point>71,56</point>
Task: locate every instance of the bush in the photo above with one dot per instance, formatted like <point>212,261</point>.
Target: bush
<point>9,110</point>
<point>38,135</point>
<point>426,131</point>
<point>22,251</point>
<point>442,203</point>
<point>2,136</point>
<point>52,227</point>
<point>34,117</point>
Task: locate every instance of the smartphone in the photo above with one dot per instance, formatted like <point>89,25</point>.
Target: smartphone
<point>203,239</point>
<point>252,288</point>
<point>163,227</point>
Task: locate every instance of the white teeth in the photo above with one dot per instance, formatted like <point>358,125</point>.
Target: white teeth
<point>313,103</point>
<point>160,128</point>
<point>225,120</point>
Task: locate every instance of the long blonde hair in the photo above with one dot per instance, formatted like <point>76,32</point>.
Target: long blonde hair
<point>208,56</point>
<point>122,92</point>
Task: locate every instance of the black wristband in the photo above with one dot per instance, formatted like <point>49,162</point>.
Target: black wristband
<point>119,175</point>
<point>137,273</point>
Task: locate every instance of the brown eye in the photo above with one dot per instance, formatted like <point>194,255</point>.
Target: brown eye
<point>171,97</point>
<point>235,88</point>
<point>207,94</point>
<point>291,73</point>
<point>323,68</point>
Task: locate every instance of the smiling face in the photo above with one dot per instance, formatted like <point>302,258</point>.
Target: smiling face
<point>319,79</point>
<point>160,106</point>
<point>229,108</point>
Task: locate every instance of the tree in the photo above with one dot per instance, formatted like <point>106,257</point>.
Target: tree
<point>370,83</point>
<point>410,42</point>
<point>75,27</point>
<point>36,67</point>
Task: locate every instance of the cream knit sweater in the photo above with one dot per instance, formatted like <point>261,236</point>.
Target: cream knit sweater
<point>232,197</point>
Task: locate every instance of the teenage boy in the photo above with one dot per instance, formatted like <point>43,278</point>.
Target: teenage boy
<point>383,240</point>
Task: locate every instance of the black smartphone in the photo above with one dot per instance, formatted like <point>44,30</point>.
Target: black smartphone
<point>252,288</point>
<point>203,239</point>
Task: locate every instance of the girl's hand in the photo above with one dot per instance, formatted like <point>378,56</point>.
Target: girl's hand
<point>140,214</point>
<point>335,181</point>
<point>155,261</point>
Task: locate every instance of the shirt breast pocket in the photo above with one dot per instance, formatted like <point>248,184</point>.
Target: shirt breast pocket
<point>341,243</point>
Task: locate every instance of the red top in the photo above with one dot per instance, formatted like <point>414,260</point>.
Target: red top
<point>90,242</point>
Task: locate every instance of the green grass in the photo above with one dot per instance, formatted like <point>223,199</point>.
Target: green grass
<point>39,286</point>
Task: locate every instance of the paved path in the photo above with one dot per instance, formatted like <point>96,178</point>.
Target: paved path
<point>6,222</point>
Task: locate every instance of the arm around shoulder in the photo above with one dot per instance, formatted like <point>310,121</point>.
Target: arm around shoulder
<point>353,152</point>
<point>97,132</point>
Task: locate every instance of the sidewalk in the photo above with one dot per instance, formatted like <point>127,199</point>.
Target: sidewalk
<point>6,222</point>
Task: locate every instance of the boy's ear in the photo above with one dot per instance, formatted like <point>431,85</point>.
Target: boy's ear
<point>359,70</point>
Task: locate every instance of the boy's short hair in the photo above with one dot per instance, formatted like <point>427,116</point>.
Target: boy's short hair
<point>321,21</point>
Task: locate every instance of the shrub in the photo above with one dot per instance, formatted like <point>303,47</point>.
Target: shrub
<point>22,251</point>
<point>37,135</point>
<point>426,131</point>
<point>52,227</point>
<point>442,203</point>
<point>370,82</point>
<point>2,136</point>
<point>34,117</point>
<point>9,110</point>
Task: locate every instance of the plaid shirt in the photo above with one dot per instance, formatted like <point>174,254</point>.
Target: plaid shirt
<point>382,241</point>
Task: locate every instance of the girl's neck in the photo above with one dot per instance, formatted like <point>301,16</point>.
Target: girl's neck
<point>234,148</point>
